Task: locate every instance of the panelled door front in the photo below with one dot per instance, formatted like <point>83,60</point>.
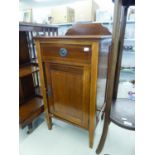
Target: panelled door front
<point>68,92</point>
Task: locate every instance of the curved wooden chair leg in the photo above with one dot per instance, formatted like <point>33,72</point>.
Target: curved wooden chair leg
<point>104,135</point>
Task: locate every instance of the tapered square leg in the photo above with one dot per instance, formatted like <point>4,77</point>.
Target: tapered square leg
<point>49,121</point>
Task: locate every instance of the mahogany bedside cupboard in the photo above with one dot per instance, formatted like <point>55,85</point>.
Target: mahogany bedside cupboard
<point>73,76</point>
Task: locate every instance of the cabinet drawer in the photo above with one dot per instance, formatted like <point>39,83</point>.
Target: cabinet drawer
<point>66,52</point>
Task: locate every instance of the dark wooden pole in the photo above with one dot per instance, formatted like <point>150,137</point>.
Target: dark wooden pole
<point>120,50</point>
<point>116,35</point>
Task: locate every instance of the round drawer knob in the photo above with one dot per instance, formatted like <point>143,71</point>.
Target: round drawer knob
<point>63,52</point>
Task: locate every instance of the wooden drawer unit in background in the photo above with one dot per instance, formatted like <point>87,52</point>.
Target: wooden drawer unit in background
<point>30,95</point>
<point>69,73</point>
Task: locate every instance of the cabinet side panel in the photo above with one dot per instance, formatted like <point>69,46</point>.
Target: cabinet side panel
<point>102,73</point>
<point>23,49</point>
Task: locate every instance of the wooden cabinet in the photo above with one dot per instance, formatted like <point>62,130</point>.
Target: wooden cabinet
<point>71,69</point>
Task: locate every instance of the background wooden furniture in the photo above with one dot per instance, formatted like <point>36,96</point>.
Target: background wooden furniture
<point>30,96</point>
<point>31,104</point>
<point>69,72</point>
<point>115,108</point>
<point>35,27</point>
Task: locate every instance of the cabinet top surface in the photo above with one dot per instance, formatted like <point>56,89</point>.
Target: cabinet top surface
<point>96,37</point>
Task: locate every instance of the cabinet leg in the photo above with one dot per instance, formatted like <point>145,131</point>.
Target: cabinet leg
<point>30,128</point>
<point>91,137</point>
<point>104,134</point>
<point>49,121</point>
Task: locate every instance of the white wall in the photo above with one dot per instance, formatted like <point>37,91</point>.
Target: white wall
<point>83,9</point>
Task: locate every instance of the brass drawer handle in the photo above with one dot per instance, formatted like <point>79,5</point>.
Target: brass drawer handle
<point>63,52</point>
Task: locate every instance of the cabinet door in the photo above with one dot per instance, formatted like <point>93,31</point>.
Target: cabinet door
<point>68,92</point>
